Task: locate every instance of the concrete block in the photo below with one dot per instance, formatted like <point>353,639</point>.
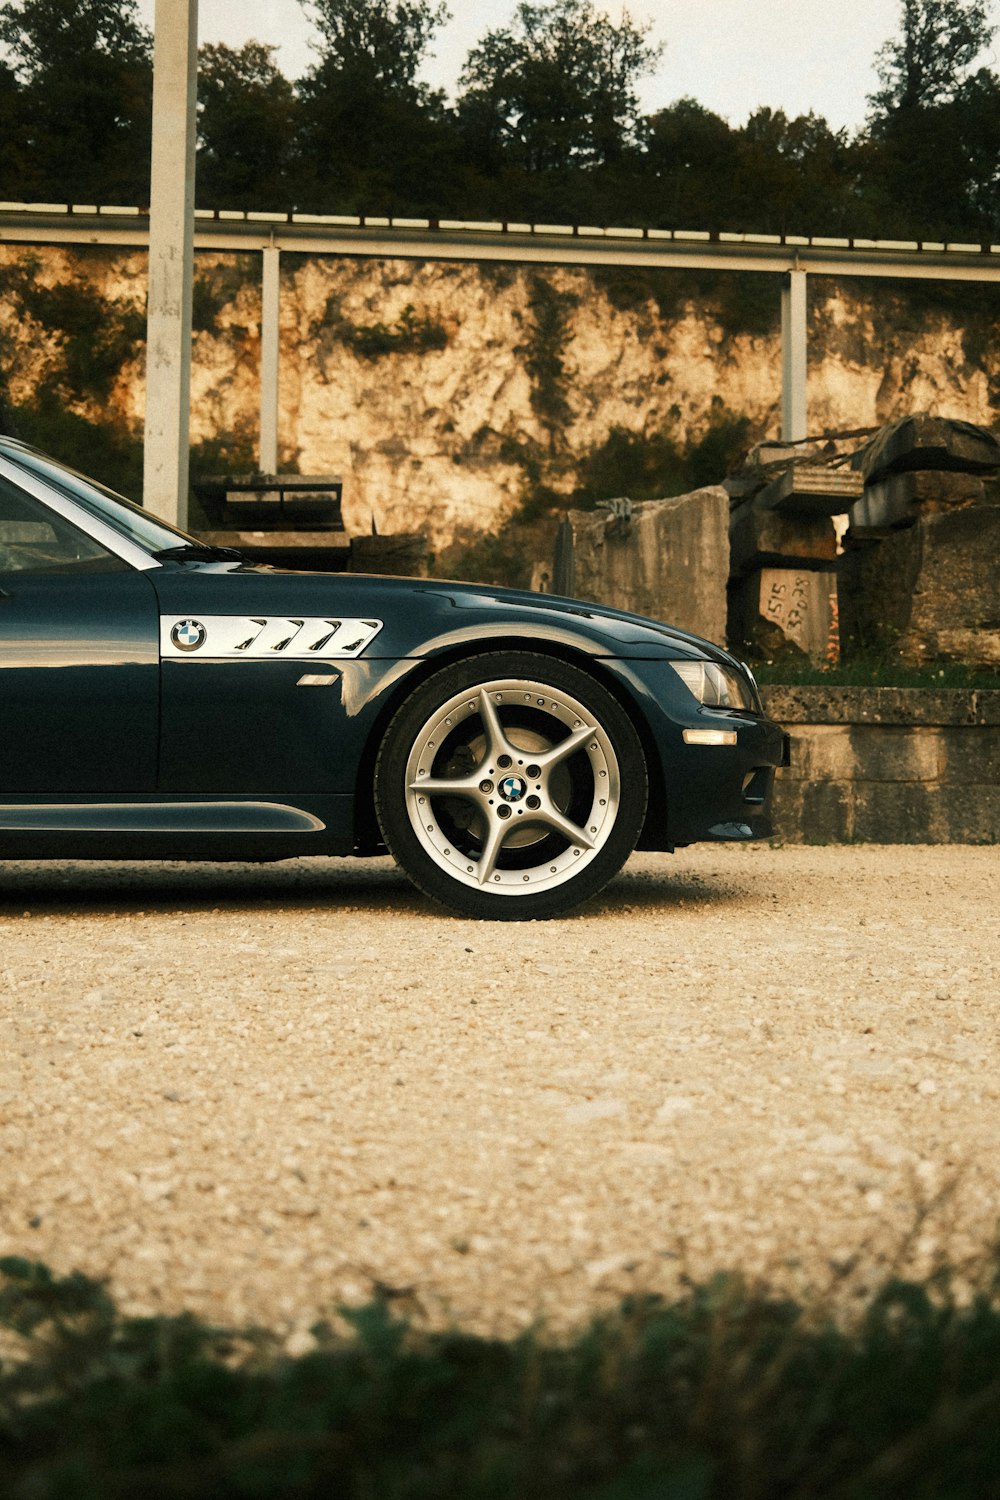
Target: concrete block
<point>669,561</point>
<point>812,812</point>
<point>814,704</point>
<point>860,752</point>
<point>919,813</point>
<point>898,500</point>
<point>761,538</point>
<point>921,441</point>
<point>894,812</point>
<point>784,612</point>
<point>821,752</point>
<point>970,757</point>
<point>884,752</point>
<point>929,593</point>
<point>811,489</point>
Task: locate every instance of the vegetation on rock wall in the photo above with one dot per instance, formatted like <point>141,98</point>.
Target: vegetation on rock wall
<point>544,353</point>
<point>62,348</point>
<point>643,466</point>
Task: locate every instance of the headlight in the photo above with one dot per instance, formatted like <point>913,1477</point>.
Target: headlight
<point>715,686</point>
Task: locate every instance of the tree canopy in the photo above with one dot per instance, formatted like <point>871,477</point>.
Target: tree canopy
<point>557,88</point>
<point>929,61</point>
<point>547,124</point>
<point>81,108</point>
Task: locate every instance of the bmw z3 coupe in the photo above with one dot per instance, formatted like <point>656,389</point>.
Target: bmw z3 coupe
<point>160,699</point>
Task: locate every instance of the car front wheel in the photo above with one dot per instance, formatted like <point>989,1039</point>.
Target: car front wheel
<point>511,786</point>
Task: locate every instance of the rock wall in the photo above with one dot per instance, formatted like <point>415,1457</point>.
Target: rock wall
<point>436,388</point>
<point>888,765</point>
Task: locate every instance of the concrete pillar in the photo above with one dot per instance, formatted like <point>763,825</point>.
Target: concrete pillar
<point>793,357</point>
<point>269,335</point>
<point>171,260</point>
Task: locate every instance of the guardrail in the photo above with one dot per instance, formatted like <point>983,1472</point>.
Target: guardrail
<point>442,238</point>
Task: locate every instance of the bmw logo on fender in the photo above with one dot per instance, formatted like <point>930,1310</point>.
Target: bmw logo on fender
<point>188,635</point>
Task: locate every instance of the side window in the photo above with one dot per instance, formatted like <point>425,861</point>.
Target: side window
<point>34,539</point>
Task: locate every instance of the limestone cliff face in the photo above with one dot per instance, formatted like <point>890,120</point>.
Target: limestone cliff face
<point>430,387</point>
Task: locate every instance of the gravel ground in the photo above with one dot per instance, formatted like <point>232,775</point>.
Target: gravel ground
<point>262,1092</point>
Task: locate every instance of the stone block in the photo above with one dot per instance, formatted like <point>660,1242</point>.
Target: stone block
<point>812,812</point>
<point>921,441</point>
<point>778,613</point>
<point>842,752</point>
<point>929,593</point>
<point>971,757</point>
<point>919,813</point>
<point>815,704</point>
<point>820,752</point>
<point>894,812</point>
<point>670,560</point>
<point>761,538</point>
<point>895,752</point>
<point>898,500</point>
<point>811,489</point>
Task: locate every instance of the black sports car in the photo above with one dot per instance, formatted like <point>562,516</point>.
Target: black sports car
<point>163,699</point>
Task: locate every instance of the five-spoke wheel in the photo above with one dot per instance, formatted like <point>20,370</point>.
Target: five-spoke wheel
<point>511,785</point>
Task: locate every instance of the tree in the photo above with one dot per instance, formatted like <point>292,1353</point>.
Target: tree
<point>931,161</point>
<point>12,164</point>
<point>929,61</point>
<point>84,74</point>
<point>557,88</point>
<point>246,124</point>
<point>381,41</point>
<point>694,156</point>
<point>373,137</point>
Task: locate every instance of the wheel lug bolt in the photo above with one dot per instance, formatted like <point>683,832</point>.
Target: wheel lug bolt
<point>532,801</point>
<point>486,787</point>
<point>533,771</point>
<point>504,761</point>
<point>503,812</point>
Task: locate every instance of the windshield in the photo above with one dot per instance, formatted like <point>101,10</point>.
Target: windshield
<point>127,518</point>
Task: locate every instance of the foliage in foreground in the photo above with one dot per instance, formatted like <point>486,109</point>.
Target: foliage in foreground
<point>726,1392</point>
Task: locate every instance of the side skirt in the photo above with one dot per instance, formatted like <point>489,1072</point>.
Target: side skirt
<point>150,827</point>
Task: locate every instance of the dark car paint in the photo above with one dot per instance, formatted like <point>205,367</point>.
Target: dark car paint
<point>234,758</point>
<point>79,651</point>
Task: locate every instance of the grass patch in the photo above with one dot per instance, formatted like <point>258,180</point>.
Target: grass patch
<point>874,672</point>
<point>727,1393</point>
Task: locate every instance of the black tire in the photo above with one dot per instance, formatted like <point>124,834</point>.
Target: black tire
<point>511,786</point>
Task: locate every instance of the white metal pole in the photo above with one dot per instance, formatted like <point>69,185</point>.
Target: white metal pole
<point>171,259</point>
<point>269,336</point>
<point>793,357</point>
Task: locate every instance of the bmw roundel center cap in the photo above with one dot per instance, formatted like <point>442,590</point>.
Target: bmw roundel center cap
<point>512,788</point>
<point>188,635</point>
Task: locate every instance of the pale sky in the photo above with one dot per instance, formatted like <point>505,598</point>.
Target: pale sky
<point>730,55</point>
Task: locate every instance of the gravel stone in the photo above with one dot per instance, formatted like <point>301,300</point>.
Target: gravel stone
<point>264,1092</point>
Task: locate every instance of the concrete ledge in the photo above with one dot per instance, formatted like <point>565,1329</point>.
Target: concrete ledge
<point>881,705</point>
<point>888,765</point>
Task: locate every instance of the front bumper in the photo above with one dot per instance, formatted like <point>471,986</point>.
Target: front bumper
<point>714,793</point>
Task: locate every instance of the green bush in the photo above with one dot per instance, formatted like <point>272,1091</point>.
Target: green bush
<point>727,1393</point>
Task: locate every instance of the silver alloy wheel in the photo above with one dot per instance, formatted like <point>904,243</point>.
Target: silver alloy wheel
<point>512,787</point>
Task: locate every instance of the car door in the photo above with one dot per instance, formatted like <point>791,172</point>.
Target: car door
<point>79,659</point>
